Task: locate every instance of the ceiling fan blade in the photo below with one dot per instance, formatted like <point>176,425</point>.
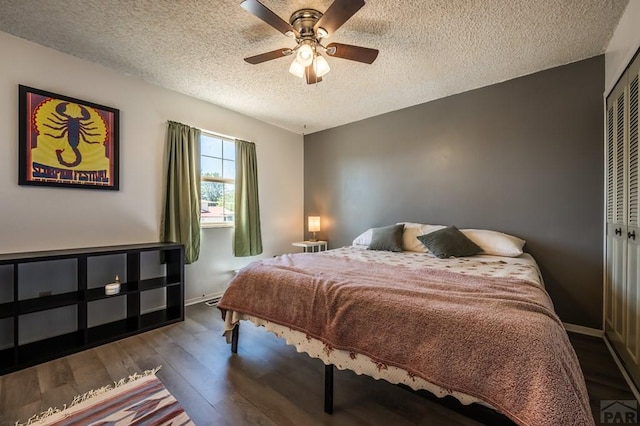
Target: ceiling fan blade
<point>310,75</point>
<point>338,13</point>
<point>264,57</point>
<point>263,12</point>
<point>353,53</point>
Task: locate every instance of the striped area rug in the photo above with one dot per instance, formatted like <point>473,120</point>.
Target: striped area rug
<point>138,400</point>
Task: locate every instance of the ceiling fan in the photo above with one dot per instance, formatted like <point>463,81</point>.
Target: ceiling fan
<point>309,27</point>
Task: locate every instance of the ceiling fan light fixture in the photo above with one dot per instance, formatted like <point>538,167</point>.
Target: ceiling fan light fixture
<point>305,55</point>
<point>296,69</point>
<point>321,66</point>
<point>309,27</point>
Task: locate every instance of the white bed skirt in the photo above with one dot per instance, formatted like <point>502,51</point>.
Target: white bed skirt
<point>356,362</point>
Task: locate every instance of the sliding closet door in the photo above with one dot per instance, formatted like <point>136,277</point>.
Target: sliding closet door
<point>616,214</point>
<point>632,326</point>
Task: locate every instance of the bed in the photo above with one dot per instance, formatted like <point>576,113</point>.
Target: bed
<point>481,328</point>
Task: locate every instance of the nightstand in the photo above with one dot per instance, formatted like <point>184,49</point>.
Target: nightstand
<point>311,246</point>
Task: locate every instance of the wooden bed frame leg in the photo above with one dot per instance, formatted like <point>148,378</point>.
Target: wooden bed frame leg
<point>328,389</point>
<point>234,338</point>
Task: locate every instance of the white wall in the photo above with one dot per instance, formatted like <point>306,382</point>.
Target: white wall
<point>40,218</point>
<point>623,44</point>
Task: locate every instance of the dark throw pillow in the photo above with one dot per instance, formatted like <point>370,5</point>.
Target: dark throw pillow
<point>449,242</point>
<point>387,238</point>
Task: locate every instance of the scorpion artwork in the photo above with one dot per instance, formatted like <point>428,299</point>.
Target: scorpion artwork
<point>75,129</point>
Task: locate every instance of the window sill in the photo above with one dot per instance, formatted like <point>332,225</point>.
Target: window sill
<point>216,225</point>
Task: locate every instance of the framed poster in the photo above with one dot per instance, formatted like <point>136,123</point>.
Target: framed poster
<point>67,142</point>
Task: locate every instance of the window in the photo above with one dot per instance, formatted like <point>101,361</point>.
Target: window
<point>218,169</point>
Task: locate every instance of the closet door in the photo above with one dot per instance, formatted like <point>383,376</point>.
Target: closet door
<point>632,326</point>
<point>615,293</point>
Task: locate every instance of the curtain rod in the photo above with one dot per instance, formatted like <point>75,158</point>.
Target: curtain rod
<point>212,132</point>
<point>218,134</point>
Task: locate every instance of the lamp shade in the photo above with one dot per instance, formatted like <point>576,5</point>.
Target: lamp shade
<point>321,66</point>
<point>296,69</point>
<point>305,55</point>
<point>314,223</point>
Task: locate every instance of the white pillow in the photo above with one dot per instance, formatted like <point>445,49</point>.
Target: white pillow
<point>427,229</point>
<point>364,239</point>
<point>410,241</point>
<point>495,243</point>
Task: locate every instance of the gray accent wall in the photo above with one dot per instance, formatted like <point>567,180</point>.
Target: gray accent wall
<point>524,157</point>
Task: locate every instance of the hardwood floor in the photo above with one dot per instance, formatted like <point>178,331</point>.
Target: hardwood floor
<point>266,383</point>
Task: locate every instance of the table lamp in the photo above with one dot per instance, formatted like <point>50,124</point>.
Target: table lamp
<point>314,226</point>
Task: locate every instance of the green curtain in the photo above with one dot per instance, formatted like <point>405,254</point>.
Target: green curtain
<point>247,239</point>
<point>181,213</point>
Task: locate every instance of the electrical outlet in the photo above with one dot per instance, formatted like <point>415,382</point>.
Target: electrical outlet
<point>44,293</point>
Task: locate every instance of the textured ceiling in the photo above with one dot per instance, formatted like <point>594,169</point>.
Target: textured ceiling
<point>428,49</point>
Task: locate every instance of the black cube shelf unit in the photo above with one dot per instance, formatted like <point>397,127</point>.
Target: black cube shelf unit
<point>24,354</point>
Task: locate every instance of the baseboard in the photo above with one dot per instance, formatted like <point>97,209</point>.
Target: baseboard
<point>600,333</point>
<point>583,330</point>
<point>626,376</point>
<point>203,298</point>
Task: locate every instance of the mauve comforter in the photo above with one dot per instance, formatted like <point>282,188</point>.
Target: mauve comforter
<point>497,339</point>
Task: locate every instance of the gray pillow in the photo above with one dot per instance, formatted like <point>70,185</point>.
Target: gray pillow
<point>449,242</point>
<point>387,238</point>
